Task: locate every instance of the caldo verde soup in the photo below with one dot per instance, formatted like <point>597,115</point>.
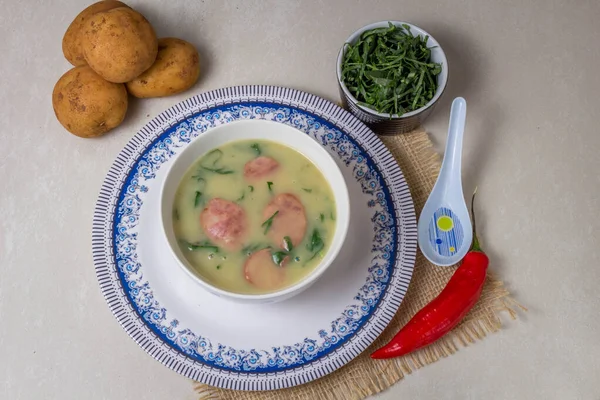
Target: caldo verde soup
<point>254,216</point>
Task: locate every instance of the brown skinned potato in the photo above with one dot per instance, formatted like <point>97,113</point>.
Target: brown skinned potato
<point>71,43</point>
<point>119,44</point>
<point>87,105</point>
<point>176,69</point>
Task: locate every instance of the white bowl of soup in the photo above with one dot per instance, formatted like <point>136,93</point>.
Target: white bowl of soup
<point>254,211</point>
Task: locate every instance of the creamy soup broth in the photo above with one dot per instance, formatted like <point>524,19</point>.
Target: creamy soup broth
<point>254,217</point>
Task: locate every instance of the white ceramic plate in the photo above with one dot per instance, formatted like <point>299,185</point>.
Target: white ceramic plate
<point>243,346</point>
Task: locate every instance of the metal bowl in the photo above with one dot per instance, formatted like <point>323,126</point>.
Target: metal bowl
<point>387,124</point>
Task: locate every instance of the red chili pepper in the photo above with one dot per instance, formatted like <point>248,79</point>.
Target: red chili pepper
<point>444,312</point>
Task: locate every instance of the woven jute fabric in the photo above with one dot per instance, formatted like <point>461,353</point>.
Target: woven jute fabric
<point>364,376</point>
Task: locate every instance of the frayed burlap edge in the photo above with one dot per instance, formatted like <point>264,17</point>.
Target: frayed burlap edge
<point>364,376</point>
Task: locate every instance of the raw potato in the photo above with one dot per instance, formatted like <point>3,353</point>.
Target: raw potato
<point>119,44</point>
<point>71,43</point>
<point>87,105</point>
<point>177,68</point>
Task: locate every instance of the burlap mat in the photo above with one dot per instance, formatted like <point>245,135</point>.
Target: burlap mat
<point>364,376</point>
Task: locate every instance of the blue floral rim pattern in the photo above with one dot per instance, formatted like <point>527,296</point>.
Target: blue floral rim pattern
<point>118,267</point>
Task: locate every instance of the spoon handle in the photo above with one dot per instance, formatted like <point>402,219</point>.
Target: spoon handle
<point>451,166</point>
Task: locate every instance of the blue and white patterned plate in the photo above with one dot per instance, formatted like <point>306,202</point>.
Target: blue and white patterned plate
<point>254,347</point>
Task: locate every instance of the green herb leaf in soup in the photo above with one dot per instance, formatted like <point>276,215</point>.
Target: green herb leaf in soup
<point>307,190</point>
<point>316,243</point>
<point>270,184</point>
<point>198,177</point>
<point>390,71</point>
<point>267,224</point>
<point>210,163</point>
<point>256,149</point>
<point>287,243</point>
<point>279,257</point>
<point>212,158</point>
<point>251,188</point>
<point>197,199</point>
<point>200,246</point>
<point>242,196</point>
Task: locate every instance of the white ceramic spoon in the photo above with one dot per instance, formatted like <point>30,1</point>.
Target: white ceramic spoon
<point>444,230</point>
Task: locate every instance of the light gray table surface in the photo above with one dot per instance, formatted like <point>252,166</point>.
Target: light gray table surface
<point>529,71</point>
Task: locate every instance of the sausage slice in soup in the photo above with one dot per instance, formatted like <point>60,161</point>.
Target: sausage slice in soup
<point>289,221</point>
<point>225,223</point>
<point>260,168</point>
<point>261,271</point>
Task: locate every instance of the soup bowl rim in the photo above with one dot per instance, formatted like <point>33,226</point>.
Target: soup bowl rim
<point>340,194</point>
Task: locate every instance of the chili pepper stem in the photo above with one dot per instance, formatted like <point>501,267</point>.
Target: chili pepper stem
<point>475,246</point>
